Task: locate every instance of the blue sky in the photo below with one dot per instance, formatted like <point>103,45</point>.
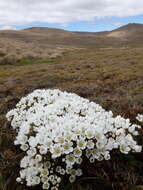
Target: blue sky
<point>74,15</point>
<point>105,24</point>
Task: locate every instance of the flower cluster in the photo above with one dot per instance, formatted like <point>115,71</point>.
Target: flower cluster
<point>58,129</point>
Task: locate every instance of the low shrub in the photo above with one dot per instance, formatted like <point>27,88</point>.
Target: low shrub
<point>57,130</point>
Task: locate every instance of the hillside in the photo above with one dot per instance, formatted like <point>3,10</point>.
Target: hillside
<point>132,27</point>
<point>48,31</point>
<point>36,42</point>
<point>51,36</point>
<point>131,33</point>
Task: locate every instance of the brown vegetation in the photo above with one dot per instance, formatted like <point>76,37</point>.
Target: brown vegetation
<point>46,38</point>
<point>110,76</point>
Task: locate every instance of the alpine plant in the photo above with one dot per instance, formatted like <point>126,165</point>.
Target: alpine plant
<point>56,130</point>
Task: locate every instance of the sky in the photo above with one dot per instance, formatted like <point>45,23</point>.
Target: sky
<point>74,15</point>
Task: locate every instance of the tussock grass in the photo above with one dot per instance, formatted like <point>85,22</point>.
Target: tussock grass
<point>14,52</point>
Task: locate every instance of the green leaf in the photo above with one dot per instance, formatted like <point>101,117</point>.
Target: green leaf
<point>1,182</point>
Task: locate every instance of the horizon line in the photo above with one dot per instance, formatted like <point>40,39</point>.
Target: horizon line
<point>60,28</point>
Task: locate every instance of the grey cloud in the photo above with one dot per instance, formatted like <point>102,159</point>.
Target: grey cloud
<point>22,12</point>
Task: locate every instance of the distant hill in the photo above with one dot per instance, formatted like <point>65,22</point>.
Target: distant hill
<point>44,30</point>
<point>130,27</point>
<point>128,34</point>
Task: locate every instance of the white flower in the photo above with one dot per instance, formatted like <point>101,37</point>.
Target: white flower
<point>24,162</point>
<point>73,172</point>
<point>54,188</point>
<point>51,178</point>
<point>88,153</point>
<point>81,144</point>
<point>58,180</point>
<point>56,151</point>
<point>44,179</point>
<point>101,144</point>
<point>92,159</point>
<point>24,147</point>
<point>47,164</point>
<point>77,152</point>
<point>55,127</point>
<point>90,144</point>
<point>43,150</point>
<point>22,174</point>
<point>67,148</point>
<point>139,117</point>
<point>44,172</point>
<point>137,148</point>
<point>78,172</point>
<point>36,180</point>
<point>79,160</point>
<point>70,159</point>
<point>89,133</point>
<point>58,169</point>
<point>38,157</point>
<point>61,140</point>
<point>32,141</point>
<point>62,172</point>
<point>72,178</point>
<point>21,139</point>
<point>124,149</point>
<point>46,186</point>
<point>107,156</point>
<point>18,179</point>
<point>31,152</point>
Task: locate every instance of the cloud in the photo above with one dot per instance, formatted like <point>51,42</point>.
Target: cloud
<point>5,27</point>
<point>24,12</point>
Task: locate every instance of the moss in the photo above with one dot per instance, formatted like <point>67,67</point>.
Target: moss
<point>4,75</point>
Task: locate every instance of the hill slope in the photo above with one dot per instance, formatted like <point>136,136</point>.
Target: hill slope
<point>41,42</point>
<point>131,33</point>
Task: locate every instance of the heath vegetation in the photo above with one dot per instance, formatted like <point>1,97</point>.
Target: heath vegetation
<point>111,76</point>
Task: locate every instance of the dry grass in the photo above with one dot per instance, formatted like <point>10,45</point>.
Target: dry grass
<point>13,51</point>
<point>112,77</point>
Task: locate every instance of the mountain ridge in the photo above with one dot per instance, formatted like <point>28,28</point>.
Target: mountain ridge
<point>123,27</point>
<point>126,34</point>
